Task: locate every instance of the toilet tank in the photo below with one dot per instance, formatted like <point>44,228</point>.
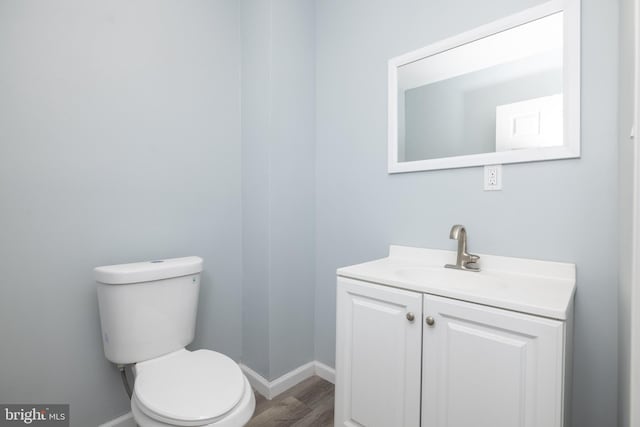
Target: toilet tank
<point>147,309</point>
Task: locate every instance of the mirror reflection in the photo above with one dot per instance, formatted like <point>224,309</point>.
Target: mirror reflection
<point>498,93</point>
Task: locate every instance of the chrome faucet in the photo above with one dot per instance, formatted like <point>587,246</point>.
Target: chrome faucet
<point>465,261</point>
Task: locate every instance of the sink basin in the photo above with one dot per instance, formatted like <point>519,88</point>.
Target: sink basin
<point>455,279</point>
<point>542,288</point>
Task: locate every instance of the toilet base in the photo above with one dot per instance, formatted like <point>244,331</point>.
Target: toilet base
<point>237,417</point>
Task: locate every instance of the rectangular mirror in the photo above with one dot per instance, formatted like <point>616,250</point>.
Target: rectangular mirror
<point>505,92</point>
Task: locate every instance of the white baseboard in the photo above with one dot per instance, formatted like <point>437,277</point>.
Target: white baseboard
<point>290,379</point>
<point>325,372</point>
<point>125,420</point>
<point>257,381</point>
<point>269,389</point>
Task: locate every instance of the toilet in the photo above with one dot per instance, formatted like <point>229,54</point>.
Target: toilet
<point>148,316</point>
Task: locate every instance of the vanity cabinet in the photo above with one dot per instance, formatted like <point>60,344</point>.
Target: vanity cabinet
<point>488,367</point>
<point>406,358</point>
<point>379,341</point>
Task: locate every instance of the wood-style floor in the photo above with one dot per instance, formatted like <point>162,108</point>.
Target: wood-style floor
<point>309,403</point>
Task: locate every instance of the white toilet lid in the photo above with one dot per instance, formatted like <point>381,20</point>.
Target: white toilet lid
<point>188,388</point>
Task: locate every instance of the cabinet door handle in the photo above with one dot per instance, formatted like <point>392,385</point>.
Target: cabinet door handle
<point>410,317</point>
<point>430,321</point>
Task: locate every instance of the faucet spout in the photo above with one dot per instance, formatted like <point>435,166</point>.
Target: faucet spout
<point>455,231</point>
<point>464,260</point>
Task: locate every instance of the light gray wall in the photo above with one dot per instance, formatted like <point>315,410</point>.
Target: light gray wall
<point>279,184</point>
<point>119,142</point>
<point>292,185</point>
<point>557,210</point>
<point>256,106</point>
<point>626,187</point>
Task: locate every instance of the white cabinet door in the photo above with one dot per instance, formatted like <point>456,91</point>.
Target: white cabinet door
<point>487,367</point>
<point>378,353</point>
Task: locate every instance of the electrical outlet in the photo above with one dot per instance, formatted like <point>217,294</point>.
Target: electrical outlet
<point>493,177</point>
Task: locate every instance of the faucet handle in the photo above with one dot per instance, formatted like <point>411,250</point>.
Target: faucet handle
<point>471,263</point>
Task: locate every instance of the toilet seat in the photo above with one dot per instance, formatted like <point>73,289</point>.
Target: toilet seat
<point>187,388</point>
<point>239,416</point>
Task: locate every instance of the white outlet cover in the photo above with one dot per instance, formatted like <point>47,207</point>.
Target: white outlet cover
<point>493,177</point>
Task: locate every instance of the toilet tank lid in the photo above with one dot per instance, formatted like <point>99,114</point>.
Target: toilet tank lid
<point>138,272</point>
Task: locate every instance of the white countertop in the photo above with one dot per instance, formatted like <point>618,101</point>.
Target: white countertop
<point>541,288</point>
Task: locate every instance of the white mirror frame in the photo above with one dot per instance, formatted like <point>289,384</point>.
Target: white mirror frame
<point>571,92</point>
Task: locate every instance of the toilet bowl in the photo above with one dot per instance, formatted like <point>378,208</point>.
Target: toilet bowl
<point>147,316</point>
